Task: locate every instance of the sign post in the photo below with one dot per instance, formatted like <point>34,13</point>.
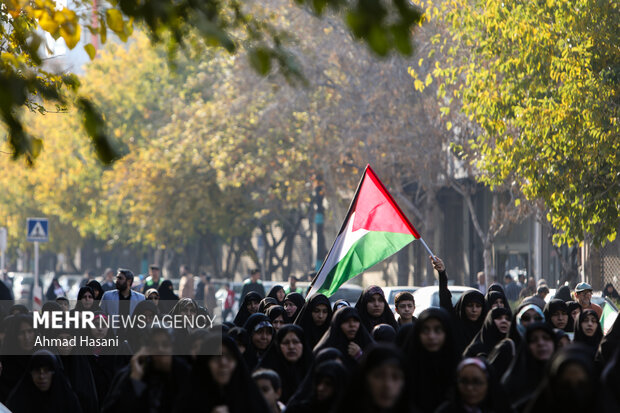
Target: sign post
<point>37,231</point>
<point>3,244</point>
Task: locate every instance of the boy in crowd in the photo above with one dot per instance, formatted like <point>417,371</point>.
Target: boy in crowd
<point>405,306</point>
<point>268,382</point>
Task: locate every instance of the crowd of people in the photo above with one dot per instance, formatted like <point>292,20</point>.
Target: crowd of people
<point>285,352</point>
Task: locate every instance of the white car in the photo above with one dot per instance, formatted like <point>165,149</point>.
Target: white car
<point>426,297</point>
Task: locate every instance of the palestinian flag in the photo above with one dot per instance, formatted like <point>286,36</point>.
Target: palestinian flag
<point>608,317</point>
<point>374,229</point>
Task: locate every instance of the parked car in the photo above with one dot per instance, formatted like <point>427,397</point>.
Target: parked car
<point>426,297</point>
<point>392,292</point>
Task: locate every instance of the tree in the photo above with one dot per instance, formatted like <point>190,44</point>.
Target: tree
<point>230,24</point>
<point>541,82</point>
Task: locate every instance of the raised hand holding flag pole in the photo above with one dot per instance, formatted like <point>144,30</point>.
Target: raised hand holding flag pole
<point>374,229</point>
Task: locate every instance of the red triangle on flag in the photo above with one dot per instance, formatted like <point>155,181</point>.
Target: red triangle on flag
<point>376,210</point>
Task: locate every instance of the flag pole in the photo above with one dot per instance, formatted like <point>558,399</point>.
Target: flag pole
<point>427,248</point>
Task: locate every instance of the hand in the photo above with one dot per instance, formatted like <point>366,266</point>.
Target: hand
<point>437,263</point>
<point>220,409</point>
<point>137,363</point>
<point>354,350</point>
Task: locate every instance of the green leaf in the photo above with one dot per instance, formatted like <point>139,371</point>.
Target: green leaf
<point>260,59</point>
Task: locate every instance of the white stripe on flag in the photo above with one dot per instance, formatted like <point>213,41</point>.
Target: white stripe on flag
<point>341,247</point>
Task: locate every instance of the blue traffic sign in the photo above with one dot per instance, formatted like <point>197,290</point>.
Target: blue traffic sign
<point>37,230</point>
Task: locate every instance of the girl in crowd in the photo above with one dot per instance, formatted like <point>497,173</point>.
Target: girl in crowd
<point>496,299</point>
<point>277,292</point>
<point>86,300</point>
<point>380,385</point>
<point>167,297</point>
<point>432,358</point>
<point>328,383</point>
<point>260,333</point>
<point>374,309</point>
<point>221,383</point>
<point>302,395</point>
<point>17,347</point>
<point>346,334</point>
<point>571,385</point>
<point>248,306</point>
<point>527,369</point>
<point>314,318</point>
<point>97,290</point>
<point>574,309</point>
<point>494,329</point>
<point>43,388</point>
<point>266,303</point>
<point>556,314</point>
<point>293,302</point>
<point>277,315</point>
<point>477,390</point>
<point>290,357</point>
<point>588,331</point>
<point>469,313</point>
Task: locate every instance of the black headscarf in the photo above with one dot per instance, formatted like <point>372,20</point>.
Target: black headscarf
<point>469,328</point>
<point>304,319</point>
<point>556,395</point>
<point>97,289</point>
<point>338,376</point>
<point>496,287</point>
<point>384,333</point>
<point>167,297</point>
<point>240,336</point>
<point>79,306</point>
<point>274,312</point>
<point>302,396</point>
<point>432,372</point>
<point>368,321</point>
<point>203,394</point>
<point>299,302</point>
<point>339,304</point>
<point>580,336</point>
<point>291,374</point>
<point>613,294</point>
<point>495,400</point>
<point>554,306</point>
<point>266,303</point>
<point>492,296</point>
<point>244,314</point>
<point>273,293</point>
<point>27,398</point>
<point>571,306</point>
<point>358,397</point>
<point>252,355</point>
<point>609,343</point>
<point>489,336</point>
<point>402,335</point>
<point>525,371</point>
<point>563,293</point>
<point>334,336</point>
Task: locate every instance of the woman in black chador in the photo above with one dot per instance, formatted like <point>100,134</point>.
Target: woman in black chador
<point>346,334</point>
<point>290,357</point>
<point>494,329</point>
<point>221,381</point>
<point>43,388</point>
<point>431,359</point>
<point>374,309</point>
<point>314,318</point>
<point>249,306</point>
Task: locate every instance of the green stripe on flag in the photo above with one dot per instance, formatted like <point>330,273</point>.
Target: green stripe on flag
<point>366,252</point>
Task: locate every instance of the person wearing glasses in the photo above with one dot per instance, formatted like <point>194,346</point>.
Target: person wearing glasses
<point>123,300</point>
<point>583,295</point>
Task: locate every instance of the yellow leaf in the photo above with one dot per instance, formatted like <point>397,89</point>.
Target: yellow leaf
<point>114,19</point>
<point>90,49</point>
<point>71,33</point>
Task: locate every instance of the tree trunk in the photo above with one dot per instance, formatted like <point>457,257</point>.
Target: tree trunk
<point>403,266</point>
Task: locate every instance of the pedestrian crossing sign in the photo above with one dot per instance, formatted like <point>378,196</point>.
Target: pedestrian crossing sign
<point>37,230</point>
